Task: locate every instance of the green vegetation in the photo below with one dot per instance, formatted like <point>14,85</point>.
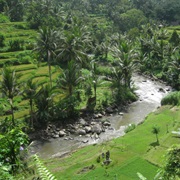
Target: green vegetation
<point>136,152</point>
<point>172,99</point>
<point>59,57</point>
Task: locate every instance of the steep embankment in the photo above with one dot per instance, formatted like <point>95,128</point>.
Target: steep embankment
<point>136,152</point>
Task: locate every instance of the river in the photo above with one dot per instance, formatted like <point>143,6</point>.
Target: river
<point>150,94</point>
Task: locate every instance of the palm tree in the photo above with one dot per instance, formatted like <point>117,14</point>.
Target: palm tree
<point>156,130</point>
<point>9,86</point>
<point>46,46</point>
<point>68,81</point>
<point>174,69</point>
<point>70,78</point>
<point>93,79</point>
<point>116,79</point>
<point>30,93</point>
<point>44,104</point>
<point>74,44</point>
<point>125,56</point>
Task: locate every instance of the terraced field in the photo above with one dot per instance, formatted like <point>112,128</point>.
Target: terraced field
<point>22,61</point>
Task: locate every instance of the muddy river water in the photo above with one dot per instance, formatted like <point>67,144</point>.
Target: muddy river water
<point>150,94</point>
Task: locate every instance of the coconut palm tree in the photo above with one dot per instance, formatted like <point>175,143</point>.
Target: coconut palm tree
<point>9,86</point>
<point>44,104</point>
<point>74,44</point>
<point>68,81</point>
<point>30,93</point>
<point>116,79</point>
<point>174,69</point>
<point>126,57</point>
<point>70,78</point>
<point>46,46</point>
<point>93,79</point>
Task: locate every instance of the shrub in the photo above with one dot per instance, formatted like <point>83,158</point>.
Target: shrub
<point>171,99</point>
<point>16,45</point>
<point>2,39</point>
<point>4,19</point>
<point>20,26</point>
<point>129,128</point>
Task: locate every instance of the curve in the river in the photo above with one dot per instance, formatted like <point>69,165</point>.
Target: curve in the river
<point>150,94</point>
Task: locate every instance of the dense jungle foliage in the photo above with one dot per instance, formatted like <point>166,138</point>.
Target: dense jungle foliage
<point>60,58</point>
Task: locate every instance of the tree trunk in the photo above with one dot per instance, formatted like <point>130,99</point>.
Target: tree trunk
<point>157,139</point>
<point>49,65</point>
<point>12,111</point>
<point>31,114</point>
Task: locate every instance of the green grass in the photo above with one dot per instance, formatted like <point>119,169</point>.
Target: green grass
<point>135,152</point>
<point>172,98</point>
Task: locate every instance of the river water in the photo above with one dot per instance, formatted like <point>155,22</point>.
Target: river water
<point>150,97</point>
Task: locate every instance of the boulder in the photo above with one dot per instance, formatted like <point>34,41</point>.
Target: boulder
<point>96,136</point>
<point>121,114</point>
<point>162,90</point>
<point>168,89</point>
<point>85,141</point>
<point>109,110</point>
<point>97,129</point>
<point>62,133</point>
<point>106,123</point>
<point>82,121</point>
<point>88,135</point>
<point>55,135</point>
<point>72,131</point>
<point>93,123</point>
<point>81,132</point>
<point>87,129</point>
<point>100,115</point>
<point>103,113</point>
<point>95,116</point>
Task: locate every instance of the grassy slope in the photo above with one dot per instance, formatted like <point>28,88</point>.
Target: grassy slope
<point>135,152</point>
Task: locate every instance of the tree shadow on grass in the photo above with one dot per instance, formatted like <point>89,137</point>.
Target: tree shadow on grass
<point>154,144</point>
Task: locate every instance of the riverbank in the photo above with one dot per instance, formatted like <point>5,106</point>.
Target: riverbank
<point>135,152</point>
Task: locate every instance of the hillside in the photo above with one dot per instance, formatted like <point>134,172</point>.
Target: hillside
<point>61,61</point>
<point>136,152</point>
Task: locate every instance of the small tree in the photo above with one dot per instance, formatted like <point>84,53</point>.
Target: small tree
<point>156,130</point>
<point>175,39</point>
<point>30,93</point>
<point>11,145</point>
<point>9,87</point>
<point>2,39</point>
<point>44,104</point>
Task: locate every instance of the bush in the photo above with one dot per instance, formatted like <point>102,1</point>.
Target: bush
<point>2,39</point>
<point>16,45</point>
<point>171,99</point>
<point>4,19</point>
<point>130,128</point>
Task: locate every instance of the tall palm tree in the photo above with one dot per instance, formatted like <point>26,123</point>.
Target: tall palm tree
<point>46,46</point>
<point>93,79</point>
<point>126,57</point>
<point>68,81</point>
<point>9,86</point>
<point>30,93</point>
<point>116,78</point>
<point>174,69</point>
